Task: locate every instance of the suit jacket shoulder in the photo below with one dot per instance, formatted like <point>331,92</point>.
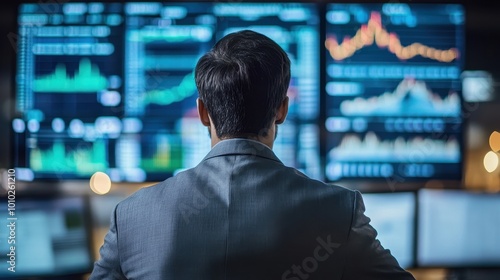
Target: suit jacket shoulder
<point>242,214</point>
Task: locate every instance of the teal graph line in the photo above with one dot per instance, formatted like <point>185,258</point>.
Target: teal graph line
<point>186,88</point>
<point>86,79</point>
<point>58,158</point>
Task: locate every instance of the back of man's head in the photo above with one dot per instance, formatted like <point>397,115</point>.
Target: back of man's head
<point>242,81</point>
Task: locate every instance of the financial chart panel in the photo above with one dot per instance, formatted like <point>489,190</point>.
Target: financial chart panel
<point>110,86</point>
<point>68,89</point>
<point>163,43</point>
<point>392,91</point>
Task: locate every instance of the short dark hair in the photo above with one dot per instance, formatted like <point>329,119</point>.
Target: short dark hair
<point>242,81</point>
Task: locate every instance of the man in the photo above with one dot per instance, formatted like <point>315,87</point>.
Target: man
<point>242,214</point>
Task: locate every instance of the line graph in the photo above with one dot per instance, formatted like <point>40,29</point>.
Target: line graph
<point>371,148</point>
<point>374,32</point>
<point>83,160</point>
<point>410,98</point>
<point>183,90</point>
<point>87,79</point>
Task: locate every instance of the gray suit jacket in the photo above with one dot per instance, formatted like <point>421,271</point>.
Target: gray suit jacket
<point>242,214</point>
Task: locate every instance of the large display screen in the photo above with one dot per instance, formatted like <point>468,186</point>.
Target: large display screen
<point>109,86</point>
<point>392,83</point>
<point>45,237</point>
<point>458,228</point>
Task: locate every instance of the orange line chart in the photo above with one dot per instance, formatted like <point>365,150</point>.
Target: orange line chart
<point>374,32</point>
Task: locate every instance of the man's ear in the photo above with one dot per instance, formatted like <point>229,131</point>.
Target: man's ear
<point>282,111</point>
<point>202,112</point>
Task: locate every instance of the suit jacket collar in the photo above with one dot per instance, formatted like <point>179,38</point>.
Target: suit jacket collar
<point>241,146</point>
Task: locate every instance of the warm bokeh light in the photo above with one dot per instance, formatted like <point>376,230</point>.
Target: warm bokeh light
<point>100,183</point>
<point>495,141</point>
<point>490,161</point>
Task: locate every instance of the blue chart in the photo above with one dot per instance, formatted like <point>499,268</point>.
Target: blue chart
<point>371,148</point>
<point>68,82</point>
<point>87,78</point>
<point>167,96</point>
<point>160,60</point>
<point>163,46</point>
<point>373,157</point>
<point>164,43</point>
<point>58,61</point>
<point>410,98</point>
<point>393,103</point>
<point>73,86</point>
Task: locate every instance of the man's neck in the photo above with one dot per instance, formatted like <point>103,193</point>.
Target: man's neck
<point>243,139</point>
<point>268,141</point>
<point>264,138</point>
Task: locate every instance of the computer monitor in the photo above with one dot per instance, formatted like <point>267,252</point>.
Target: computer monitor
<point>458,228</point>
<point>393,91</point>
<point>110,86</point>
<point>393,215</point>
<point>45,237</point>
